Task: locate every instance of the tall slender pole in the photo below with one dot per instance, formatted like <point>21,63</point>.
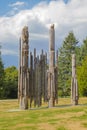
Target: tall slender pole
<point>74,86</point>
<point>56,78</point>
<point>51,75</point>
<point>24,79</point>
<point>19,69</point>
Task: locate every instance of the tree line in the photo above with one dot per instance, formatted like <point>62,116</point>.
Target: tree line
<point>8,81</point>
<point>70,45</point>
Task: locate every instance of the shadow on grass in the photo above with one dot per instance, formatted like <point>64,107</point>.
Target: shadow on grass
<point>46,107</point>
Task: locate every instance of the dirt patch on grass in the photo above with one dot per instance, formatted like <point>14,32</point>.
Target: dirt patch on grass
<point>21,125</point>
<point>69,115</point>
<point>75,126</point>
<point>46,126</point>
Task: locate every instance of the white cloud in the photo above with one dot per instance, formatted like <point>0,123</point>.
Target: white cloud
<point>66,17</point>
<point>8,52</point>
<point>18,3</point>
<point>16,7</point>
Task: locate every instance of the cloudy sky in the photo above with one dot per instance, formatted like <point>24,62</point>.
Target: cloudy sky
<point>67,15</point>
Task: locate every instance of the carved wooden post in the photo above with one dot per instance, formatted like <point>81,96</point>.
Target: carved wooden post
<point>74,86</point>
<point>37,75</point>
<point>56,78</point>
<point>45,77</point>
<point>39,83</point>
<point>51,73</point>
<point>19,69</point>
<point>24,74</point>
<point>42,73</point>
<point>31,90</point>
<point>34,83</point>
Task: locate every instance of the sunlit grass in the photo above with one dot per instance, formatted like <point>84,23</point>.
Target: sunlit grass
<point>63,117</point>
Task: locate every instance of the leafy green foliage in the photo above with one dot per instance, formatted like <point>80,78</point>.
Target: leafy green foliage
<point>82,77</point>
<point>10,82</point>
<point>82,69</point>
<point>1,74</point>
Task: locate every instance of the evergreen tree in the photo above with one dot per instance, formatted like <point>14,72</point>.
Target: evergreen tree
<point>64,63</point>
<point>83,50</point>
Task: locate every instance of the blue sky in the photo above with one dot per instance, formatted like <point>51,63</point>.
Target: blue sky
<point>4,6</point>
<point>38,15</point>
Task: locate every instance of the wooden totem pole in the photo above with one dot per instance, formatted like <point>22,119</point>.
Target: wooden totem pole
<point>51,71</point>
<point>23,83</point>
<point>74,85</point>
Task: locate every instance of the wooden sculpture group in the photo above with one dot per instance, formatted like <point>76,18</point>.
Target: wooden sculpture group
<point>37,80</point>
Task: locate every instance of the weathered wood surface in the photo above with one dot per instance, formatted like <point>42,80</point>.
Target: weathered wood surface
<point>52,73</point>
<point>23,70</point>
<point>36,83</point>
<point>74,85</point>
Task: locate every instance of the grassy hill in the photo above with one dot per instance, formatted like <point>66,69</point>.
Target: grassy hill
<point>62,117</point>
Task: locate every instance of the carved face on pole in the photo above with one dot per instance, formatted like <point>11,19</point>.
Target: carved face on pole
<point>25,34</point>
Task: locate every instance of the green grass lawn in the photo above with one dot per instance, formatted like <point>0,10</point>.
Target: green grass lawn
<point>62,117</point>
